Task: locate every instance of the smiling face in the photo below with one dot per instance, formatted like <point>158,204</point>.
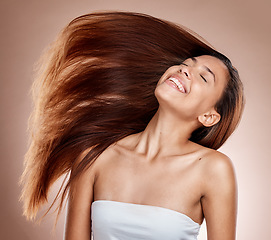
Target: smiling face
<point>192,88</point>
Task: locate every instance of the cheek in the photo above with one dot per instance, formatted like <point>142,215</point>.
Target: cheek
<point>201,99</point>
<point>207,100</point>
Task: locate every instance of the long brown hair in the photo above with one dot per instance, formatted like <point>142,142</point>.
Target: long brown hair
<point>96,85</point>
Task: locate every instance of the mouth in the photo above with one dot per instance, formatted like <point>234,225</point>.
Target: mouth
<point>176,82</point>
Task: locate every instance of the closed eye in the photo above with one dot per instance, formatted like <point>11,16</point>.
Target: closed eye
<point>203,78</point>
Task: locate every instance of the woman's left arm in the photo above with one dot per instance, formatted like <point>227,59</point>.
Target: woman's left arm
<point>219,202</point>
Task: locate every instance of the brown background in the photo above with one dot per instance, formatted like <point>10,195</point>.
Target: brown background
<point>239,28</point>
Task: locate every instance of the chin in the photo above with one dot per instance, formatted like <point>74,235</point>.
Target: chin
<point>167,102</point>
<point>164,95</point>
<point>164,98</point>
<point>158,93</point>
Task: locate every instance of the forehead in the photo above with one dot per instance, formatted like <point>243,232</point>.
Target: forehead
<point>213,63</point>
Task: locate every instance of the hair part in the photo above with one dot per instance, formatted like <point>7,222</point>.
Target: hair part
<point>95,86</point>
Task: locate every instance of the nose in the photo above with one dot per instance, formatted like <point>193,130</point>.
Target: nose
<point>186,71</point>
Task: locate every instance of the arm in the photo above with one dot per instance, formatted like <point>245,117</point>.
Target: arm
<point>219,202</point>
<point>78,218</point>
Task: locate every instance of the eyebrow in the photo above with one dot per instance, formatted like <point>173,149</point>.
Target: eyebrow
<point>208,69</point>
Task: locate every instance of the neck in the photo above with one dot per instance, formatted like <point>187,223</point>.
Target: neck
<point>165,134</point>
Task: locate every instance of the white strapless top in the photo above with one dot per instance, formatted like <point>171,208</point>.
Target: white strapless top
<point>112,220</point>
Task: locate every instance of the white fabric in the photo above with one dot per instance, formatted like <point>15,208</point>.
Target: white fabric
<point>112,220</point>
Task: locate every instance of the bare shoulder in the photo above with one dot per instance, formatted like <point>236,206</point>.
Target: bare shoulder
<point>109,158</point>
<point>217,171</point>
<point>91,170</point>
<point>219,195</point>
<point>216,162</point>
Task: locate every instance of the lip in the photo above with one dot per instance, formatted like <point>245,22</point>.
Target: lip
<point>175,81</point>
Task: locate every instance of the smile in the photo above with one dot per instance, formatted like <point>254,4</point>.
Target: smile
<point>174,82</point>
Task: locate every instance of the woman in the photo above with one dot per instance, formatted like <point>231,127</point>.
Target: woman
<point>132,109</point>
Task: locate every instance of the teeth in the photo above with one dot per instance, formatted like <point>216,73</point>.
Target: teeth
<point>178,84</point>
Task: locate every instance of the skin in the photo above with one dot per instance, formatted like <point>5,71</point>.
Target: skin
<point>160,166</point>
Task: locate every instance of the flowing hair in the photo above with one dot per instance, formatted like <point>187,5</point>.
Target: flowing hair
<point>95,86</point>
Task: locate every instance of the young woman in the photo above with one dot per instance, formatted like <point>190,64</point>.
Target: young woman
<point>132,109</point>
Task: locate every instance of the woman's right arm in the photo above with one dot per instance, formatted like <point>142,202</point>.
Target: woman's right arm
<point>78,218</point>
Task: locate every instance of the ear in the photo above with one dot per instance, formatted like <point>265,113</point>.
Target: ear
<point>209,119</point>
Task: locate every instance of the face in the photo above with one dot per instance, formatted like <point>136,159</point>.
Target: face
<point>193,87</point>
